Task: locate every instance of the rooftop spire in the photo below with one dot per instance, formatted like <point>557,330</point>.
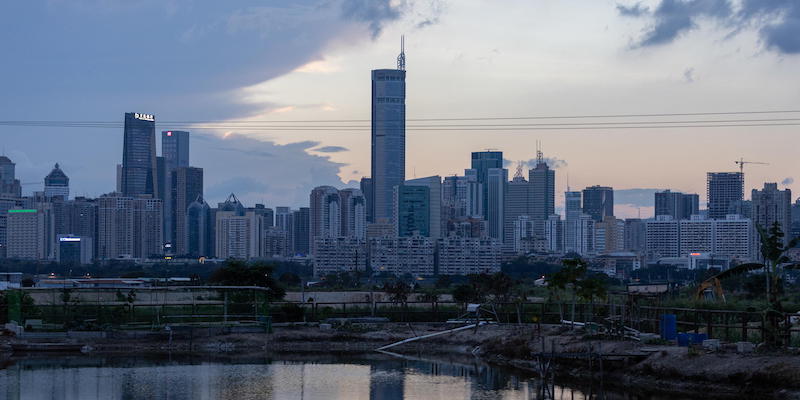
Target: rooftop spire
<point>401,59</point>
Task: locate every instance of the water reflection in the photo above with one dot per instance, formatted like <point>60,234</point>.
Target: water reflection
<point>326,377</point>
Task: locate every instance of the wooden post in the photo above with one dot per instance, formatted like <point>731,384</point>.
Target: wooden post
<point>744,327</point>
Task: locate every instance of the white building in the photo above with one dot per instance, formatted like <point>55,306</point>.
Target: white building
<point>414,255</point>
<point>339,254</point>
<point>462,256</point>
<point>732,237</point>
<point>238,235</point>
<point>26,234</point>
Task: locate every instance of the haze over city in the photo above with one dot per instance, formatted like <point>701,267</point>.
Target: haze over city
<point>302,61</point>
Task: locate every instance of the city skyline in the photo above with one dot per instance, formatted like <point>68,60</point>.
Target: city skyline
<point>621,59</point>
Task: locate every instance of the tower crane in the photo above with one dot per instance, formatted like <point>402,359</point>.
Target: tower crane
<point>741,162</point>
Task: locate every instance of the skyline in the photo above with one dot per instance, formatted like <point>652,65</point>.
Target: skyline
<point>689,72</point>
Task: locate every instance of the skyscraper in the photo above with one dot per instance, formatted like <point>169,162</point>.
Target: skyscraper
<point>598,202</point>
<point>542,189</point>
<point>139,155</point>
<point>366,189</point>
<point>9,184</point>
<point>771,205</point>
<point>482,161</point>
<point>516,205</point>
<point>186,185</point>
<point>198,229</point>
<point>573,211</point>
<point>174,154</point>
<point>175,148</point>
<point>412,210</point>
<point>128,226</point>
<point>676,204</point>
<point>388,137</point>
<point>56,183</point>
<point>353,213</point>
<point>300,229</point>
<point>497,179</point>
<point>325,214</point>
<point>434,184</point>
<point>723,188</point>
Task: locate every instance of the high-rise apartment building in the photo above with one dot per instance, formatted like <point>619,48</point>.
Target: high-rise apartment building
<point>353,213</point>
<point>723,189</point>
<point>388,138</point>
<point>238,234</point>
<point>324,214</point>
<point>609,235</point>
<point>139,156</point>
<point>770,206</point>
<point>26,233</point>
<point>56,183</point>
<point>129,227</point>
<point>598,202</point>
<point>732,236</point>
<point>676,204</point>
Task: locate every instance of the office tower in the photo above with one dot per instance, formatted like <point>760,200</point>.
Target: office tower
<point>366,189</point>
<point>676,204</point>
<point>300,231</point>
<point>9,184</point>
<point>542,189</point>
<point>482,162</point>
<point>795,219</point>
<point>175,148</point>
<point>635,235</point>
<point>238,234</point>
<point>26,233</point>
<point>598,202</point>
<point>723,188</point>
<point>497,179</point>
<point>353,213</point>
<point>573,211</point>
<point>434,184</point>
<point>324,214</point>
<point>771,205</point>
<point>129,227</point>
<point>412,210</point>
<point>388,137</point>
<point>516,204</point>
<point>139,156</point>
<point>74,250</point>
<point>186,185</point>
<point>198,229</point>
<point>283,218</point>
<point>268,215</point>
<point>609,235</point>
<point>56,183</point>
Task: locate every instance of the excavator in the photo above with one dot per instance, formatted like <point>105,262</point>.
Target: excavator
<point>715,282</point>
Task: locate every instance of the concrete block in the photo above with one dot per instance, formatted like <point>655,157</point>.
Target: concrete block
<point>745,347</point>
<point>712,344</point>
<point>325,327</point>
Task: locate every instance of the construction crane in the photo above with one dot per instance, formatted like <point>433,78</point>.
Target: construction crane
<point>741,162</point>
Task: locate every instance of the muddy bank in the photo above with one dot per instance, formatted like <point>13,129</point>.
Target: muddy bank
<point>646,369</point>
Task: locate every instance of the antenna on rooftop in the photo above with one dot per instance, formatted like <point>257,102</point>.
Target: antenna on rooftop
<point>401,59</point>
<point>539,154</point>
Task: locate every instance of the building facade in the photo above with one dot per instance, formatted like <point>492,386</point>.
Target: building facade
<point>388,138</point>
<point>139,156</point>
<point>723,189</point>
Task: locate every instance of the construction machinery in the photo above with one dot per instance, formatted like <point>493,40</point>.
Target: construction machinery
<point>741,162</point>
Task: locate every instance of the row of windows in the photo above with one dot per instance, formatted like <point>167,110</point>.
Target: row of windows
<point>397,100</point>
<point>389,78</point>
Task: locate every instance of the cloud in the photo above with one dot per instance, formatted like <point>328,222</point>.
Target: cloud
<point>776,21</point>
<point>688,75</point>
<point>552,162</point>
<point>331,149</point>
<point>241,186</point>
<point>375,13</point>
<point>636,10</point>
<point>787,181</point>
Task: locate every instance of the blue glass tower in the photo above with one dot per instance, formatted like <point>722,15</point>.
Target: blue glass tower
<point>388,137</point>
<point>139,155</point>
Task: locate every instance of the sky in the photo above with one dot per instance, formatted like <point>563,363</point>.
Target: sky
<point>185,60</point>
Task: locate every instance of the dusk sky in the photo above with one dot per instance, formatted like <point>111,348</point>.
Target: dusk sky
<point>183,60</point>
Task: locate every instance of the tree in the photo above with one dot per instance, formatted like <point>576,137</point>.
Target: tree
<point>290,279</point>
<point>465,293</point>
<point>572,277</point>
<point>240,273</point>
<point>443,282</point>
<point>398,291</point>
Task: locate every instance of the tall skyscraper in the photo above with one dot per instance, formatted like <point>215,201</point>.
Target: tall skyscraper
<point>366,189</point>
<point>434,184</point>
<point>542,189</point>
<point>56,183</point>
<point>516,205</point>
<point>300,231</point>
<point>771,205</point>
<point>723,188</point>
<point>573,211</point>
<point>388,137</point>
<point>9,184</point>
<point>497,179</point>
<point>139,156</point>
<point>174,154</point>
<point>186,185</point>
<point>598,202</point>
<point>482,161</point>
<point>175,148</point>
<point>676,204</point>
<point>412,210</point>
